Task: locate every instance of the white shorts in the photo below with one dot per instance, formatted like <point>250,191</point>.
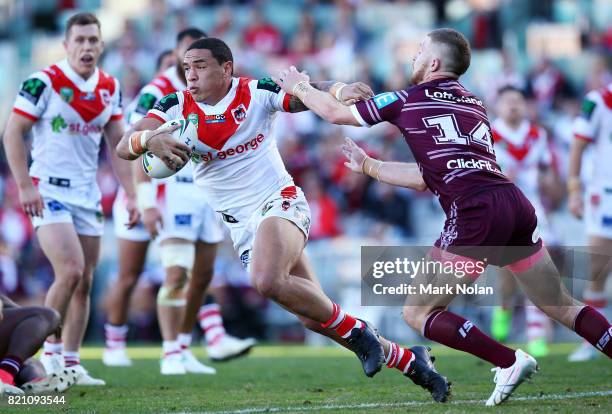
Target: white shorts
<point>121,216</point>
<point>77,205</point>
<point>287,202</point>
<point>598,211</point>
<point>187,215</point>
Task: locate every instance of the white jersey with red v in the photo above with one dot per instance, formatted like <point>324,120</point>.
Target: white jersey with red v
<point>238,160</point>
<point>521,152</point>
<point>70,114</point>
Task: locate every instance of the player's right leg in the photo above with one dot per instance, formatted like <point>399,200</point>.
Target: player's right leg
<point>594,294</point>
<point>60,244</point>
<point>177,257</point>
<point>541,282</point>
<point>132,256</point>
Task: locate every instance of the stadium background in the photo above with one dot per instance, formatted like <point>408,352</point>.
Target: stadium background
<point>557,50</point>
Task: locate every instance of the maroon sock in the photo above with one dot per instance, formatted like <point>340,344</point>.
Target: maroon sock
<point>452,330</point>
<point>595,328</point>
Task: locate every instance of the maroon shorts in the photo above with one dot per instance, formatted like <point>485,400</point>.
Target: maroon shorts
<point>497,225</point>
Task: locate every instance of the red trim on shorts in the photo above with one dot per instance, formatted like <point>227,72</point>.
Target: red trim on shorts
<point>444,255</point>
<point>527,263</point>
<point>116,117</point>
<point>583,137</point>
<point>25,114</point>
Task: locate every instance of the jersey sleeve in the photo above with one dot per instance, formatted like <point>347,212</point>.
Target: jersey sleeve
<point>271,95</point>
<point>144,102</point>
<point>587,124</point>
<point>117,102</point>
<point>33,96</point>
<point>167,109</point>
<point>383,107</point>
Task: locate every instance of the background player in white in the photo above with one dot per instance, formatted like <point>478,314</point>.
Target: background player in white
<point>68,106</point>
<point>594,126</point>
<point>524,155</point>
<point>243,177</point>
<point>183,226</point>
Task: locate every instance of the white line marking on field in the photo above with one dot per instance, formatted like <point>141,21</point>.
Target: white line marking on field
<point>331,407</point>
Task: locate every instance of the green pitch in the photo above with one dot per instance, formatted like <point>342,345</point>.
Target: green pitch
<point>301,379</point>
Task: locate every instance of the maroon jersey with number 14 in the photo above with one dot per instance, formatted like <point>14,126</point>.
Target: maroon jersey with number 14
<point>448,131</point>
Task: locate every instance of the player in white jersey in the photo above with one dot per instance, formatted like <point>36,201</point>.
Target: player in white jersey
<point>522,151</point>
<point>594,126</point>
<point>68,106</point>
<point>243,176</point>
<point>187,223</point>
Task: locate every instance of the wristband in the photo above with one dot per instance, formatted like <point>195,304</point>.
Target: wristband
<point>377,167</point>
<point>573,184</point>
<point>338,91</point>
<point>300,87</point>
<point>134,144</point>
<point>145,195</point>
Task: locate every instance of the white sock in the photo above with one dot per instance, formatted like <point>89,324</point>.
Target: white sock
<point>184,340</point>
<point>211,323</point>
<point>71,358</point>
<point>170,347</point>
<point>53,347</point>
<point>115,335</point>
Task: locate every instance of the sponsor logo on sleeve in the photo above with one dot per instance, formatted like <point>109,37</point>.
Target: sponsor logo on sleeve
<point>384,99</point>
<point>145,103</point>
<point>269,85</point>
<point>588,107</point>
<point>166,102</point>
<point>32,89</point>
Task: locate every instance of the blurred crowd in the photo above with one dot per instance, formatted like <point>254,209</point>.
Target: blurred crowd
<point>342,40</point>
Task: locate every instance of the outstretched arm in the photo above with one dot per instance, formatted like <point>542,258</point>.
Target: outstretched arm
<point>401,174</point>
<point>322,103</point>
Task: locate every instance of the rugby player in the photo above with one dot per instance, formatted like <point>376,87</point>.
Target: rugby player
<point>190,231</point>
<point>448,132</point>
<point>243,177</point>
<point>522,151</point>
<point>22,333</point>
<point>594,126</point>
<point>68,107</point>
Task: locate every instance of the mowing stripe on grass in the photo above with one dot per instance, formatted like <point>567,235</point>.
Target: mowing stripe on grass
<point>331,407</point>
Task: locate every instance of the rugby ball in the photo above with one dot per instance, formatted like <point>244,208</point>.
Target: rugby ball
<point>187,134</point>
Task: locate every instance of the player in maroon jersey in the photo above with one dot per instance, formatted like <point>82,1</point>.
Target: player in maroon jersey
<point>448,132</point>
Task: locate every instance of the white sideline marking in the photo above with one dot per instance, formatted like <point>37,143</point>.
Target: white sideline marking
<point>330,407</point>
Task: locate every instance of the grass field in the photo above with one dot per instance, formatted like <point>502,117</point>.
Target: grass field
<point>300,379</point>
